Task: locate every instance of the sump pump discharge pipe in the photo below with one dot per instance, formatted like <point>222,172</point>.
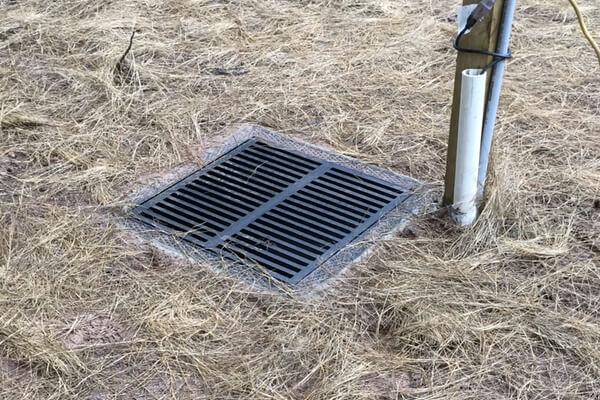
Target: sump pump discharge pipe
<point>470,123</point>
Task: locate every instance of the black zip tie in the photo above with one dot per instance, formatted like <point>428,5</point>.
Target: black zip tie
<point>498,57</point>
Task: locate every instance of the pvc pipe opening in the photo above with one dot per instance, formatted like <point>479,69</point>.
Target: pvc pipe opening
<point>471,72</point>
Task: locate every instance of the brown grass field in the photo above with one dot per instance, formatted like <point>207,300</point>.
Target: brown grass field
<point>507,309</point>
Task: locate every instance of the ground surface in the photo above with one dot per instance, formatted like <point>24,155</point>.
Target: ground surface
<point>507,309</point>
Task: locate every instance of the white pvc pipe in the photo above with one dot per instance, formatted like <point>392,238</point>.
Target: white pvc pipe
<point>470,123</point>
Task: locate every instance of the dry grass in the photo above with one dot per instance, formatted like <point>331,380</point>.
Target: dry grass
<point>507,309</point>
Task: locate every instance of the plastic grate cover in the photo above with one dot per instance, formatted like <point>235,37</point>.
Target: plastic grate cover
<point>281,209</point>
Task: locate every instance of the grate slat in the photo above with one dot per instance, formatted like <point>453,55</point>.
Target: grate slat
<point>270,233</point>
<point>304,231</point>
<point>186,203</point>
<point>256,174</point>
<point>193,220</point>
<point>287,230</point>
<point>173,223</point>
<point>224,203</point>
<point>223,194</point>
<point>323,209</point>
<point>261,167</point>
<point>273,207</point>
<point>269,261</point>
<point>287,153</point>
<point>216,214</point>
<point>357,198</point>
<point>321,190</point>
<point>281,169</point>
<point>316,215</point>
<point>359,192</point>
<point>168,223</point>
<point>365,180</point>
<point>310,222</point>
<point>269,248</point>
<point>233,186</point>
<point>278,244</point>
<point>279,159</point>
<point>246,181</point>
<point>241,254</point>
<point>362,184</point>
<point>306,196</point>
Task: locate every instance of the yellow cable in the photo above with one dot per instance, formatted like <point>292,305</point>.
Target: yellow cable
<point>584,29</point>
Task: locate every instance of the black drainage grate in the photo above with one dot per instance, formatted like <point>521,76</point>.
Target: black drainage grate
<point>281,209</point>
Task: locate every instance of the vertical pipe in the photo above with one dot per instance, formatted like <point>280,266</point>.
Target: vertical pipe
<point>508,14</point>
<point>470,122</point>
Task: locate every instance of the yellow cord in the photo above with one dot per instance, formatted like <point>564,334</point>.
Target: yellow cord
<point>584,29</point>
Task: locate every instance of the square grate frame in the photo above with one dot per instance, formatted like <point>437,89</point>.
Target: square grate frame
<point>322,277</point>
<point>273,207</point>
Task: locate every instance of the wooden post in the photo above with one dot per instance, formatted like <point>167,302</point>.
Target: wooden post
<point>484,36</point>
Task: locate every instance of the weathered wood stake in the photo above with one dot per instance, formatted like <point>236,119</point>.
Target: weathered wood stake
<point>484,36</point>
